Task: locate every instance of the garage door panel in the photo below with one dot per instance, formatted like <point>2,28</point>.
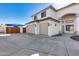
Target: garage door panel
<point>43,28</point>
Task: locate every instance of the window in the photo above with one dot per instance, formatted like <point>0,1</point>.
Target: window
<point>35,17</point>
<point>43,14</point>
<point>67,27</point>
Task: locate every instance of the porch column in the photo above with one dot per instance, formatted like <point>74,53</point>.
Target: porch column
<point>60,19</point>
<point>36,28</point>
<point>50,27</point>
<point>77,24</point>
<point>5,29</point>
<point>21,29</point>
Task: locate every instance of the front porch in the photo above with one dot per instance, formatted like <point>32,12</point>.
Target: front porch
<point>69,23</point>
<point>70,28</point>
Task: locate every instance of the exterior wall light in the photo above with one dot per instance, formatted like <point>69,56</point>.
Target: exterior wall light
<point>49,24</point>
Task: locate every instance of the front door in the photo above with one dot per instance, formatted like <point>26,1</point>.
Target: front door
<point>69,28</point>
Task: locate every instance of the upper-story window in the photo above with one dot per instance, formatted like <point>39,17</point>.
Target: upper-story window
<point>43,14</point>
<point>35,17</point>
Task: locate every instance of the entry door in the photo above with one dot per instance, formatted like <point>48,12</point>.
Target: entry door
<point>69,28</point>
<point>43,28</point>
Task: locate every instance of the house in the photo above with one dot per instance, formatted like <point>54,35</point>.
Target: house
<point>2,28</point>
<point>51,21</point>
<point>11,28</point>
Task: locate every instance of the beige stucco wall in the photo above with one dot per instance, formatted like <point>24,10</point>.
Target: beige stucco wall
<point>49,13</point>
<point>71,9</point>
<point>31,28</point>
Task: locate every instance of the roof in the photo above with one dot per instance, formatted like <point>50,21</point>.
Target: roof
<point>44,20</point>
<point>54,8</point>
<point>14,25</point>
<point>67,6</point>
<point>50,17</point>
<point>45,9</point>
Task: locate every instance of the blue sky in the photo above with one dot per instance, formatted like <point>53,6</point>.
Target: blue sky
<point>20,12</point>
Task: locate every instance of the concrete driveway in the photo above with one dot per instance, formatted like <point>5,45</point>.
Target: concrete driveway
<point>28,44</point>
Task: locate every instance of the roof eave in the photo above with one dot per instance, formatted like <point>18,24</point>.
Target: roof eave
<point>45,9</point>
<point>54,8</point>
<point>66,6</point>
<point>52,19</point>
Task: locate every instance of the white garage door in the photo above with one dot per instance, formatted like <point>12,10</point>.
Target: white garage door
<point>43,28</point>
<point>1,29</point>
<point>31,29</point>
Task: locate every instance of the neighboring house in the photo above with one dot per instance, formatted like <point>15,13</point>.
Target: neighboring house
<point>2,28</point>
<point>50,21</point>
<point>12,28</point>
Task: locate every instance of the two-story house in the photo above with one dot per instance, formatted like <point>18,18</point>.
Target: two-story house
<point>51,21</point>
